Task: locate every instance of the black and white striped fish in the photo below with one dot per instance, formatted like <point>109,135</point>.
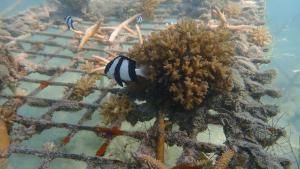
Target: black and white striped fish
<point>69,21</point>
<point>139,19</point>
<point>123,69</point>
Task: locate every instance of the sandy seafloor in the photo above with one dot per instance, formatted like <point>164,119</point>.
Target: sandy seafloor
<point>283,17</point>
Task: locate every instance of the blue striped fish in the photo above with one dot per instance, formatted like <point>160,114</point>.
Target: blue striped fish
<point>139,19</point>
<point>123,70</point>
<point>69,21</point>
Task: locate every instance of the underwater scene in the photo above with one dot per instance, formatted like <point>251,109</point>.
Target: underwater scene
<point>149,84</point>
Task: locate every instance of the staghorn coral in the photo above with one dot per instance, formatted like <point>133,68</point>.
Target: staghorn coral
<point>116,108</point>
<point>261,36</point>
<point>83,87</point>
<point>185,62</point>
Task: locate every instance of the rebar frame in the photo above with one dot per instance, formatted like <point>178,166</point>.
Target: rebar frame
<point>53,104</point>
<point>63,103</point>
<point>91,108</point>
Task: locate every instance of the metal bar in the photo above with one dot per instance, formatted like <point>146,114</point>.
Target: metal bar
<point>49,156</point>
<point>72,37</point>
<point>50,101</point>
<point>78,157</point>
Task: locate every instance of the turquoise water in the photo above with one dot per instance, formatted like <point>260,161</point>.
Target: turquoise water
<point>284,22</point>
<point>19,5</point>
<point>283,17</point>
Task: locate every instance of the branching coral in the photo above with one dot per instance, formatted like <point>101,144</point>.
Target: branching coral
<point>261,36</point>
<point>83,87</point>
<point>186,61</point>
<point>116,108</point>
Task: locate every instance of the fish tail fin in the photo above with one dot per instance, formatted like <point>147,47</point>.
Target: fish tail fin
<point>141,71</point>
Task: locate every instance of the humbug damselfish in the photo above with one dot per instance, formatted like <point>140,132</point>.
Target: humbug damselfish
<point>123,69</point>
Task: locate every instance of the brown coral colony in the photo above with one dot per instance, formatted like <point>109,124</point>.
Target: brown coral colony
<point>188,61</point>
<point>116,108</point>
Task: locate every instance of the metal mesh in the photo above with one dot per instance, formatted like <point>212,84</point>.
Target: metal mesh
<point>58,49</point>
<point>55,46</point>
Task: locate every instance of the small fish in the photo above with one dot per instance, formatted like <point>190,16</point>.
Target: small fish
<point>123,69</point>
<point>296,71</point>
<point>139,19</point>
<point>266,50</point>
<point>69,21</point>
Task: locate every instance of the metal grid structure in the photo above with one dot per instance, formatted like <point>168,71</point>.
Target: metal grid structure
<point>57,38</point>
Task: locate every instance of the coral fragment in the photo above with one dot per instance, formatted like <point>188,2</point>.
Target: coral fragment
<point>116,108</point>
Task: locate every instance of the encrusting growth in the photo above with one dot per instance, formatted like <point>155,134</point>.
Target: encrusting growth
<point>225,159</point>
<point>150,161</point>
<point>116,108</point>
<point>83,88</point>
<point>186,61</point>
